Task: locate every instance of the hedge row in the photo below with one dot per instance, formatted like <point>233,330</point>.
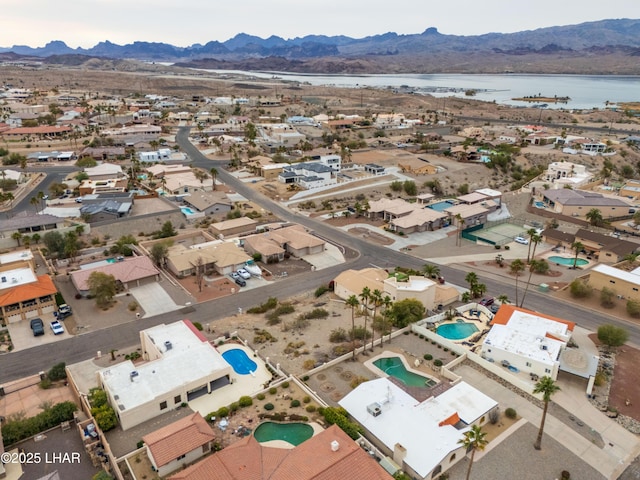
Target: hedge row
<point>15,430</point>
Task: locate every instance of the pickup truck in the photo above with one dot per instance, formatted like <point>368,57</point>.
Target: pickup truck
<point>37,327</point>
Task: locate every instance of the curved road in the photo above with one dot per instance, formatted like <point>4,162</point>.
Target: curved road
<point>81,347</point>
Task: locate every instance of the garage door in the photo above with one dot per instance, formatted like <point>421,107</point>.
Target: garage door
<point>197,393</point>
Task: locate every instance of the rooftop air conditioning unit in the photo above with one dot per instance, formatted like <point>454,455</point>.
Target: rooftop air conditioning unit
<point>335,446</point>
<point>168,345</point>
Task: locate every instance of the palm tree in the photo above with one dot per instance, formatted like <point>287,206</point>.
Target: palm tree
<point>594,216</point>
<point>547,387</point>
<point>34,201</point>
<point>473,440</point>
<point>387,303</point>
<point>533,266</point>
<point>214,173</point>
<point>515,268</point>
<point>376,298</point>
<point>17,236</point>
<point>576,247</point>
<point>458,218</point>
<point>353,302</point>
<point>430,270</point>
<point>472,279</point>
<point>531,232</point>
<point>535,239</point>
<point>365,296</point>
<point>502,298</point>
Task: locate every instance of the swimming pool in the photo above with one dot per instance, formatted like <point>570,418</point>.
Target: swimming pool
<point>187,211</point>
<point>99,263</point>
<point>394,367</point>
<point>539,204</point>
<point>440,206</point>
<point>239,361</point>
<point>568,261</point>
<point>293,433</point>
<point>457,331</point>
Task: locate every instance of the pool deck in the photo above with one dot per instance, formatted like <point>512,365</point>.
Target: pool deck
<point>481,322</point>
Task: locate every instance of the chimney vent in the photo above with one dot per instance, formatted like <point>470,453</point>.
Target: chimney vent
<point>335,446</point>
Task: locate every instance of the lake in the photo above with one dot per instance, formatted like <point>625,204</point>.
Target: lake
<point>585,91</point>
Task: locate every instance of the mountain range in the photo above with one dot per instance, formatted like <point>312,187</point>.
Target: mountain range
<point>613,46</point>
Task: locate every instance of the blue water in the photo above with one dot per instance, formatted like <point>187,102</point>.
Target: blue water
<point>568,261</point>
<point>187,211</point>
<point>440,206</point>
<point>239,361</point>
<point>457,331</point>
<point>539,204</point>
<point>394,367</point>
<point>293,433</point>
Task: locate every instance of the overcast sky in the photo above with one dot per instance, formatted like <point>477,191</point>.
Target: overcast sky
<point>83,23</point>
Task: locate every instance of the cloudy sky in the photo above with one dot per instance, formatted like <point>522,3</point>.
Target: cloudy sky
<point>83,23</point>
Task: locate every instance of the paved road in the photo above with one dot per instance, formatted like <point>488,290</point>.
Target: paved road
<point>81,347</point>
<point>53,174</point>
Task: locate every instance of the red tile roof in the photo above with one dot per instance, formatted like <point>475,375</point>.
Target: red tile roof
<point>42,129</point>
<point>42,287</point>
<point>178,438</point>
<point>128,270</point>
<point>504,315</point>
<point>311,460</point>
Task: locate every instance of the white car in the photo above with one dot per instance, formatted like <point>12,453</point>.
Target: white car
<point>522,240</point>
<point>57,327</point>
<point>244,274</point>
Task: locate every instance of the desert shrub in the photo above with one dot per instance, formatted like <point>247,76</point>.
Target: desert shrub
<point>306,399</point>
<point>359,333</point>
<point>45,384</point>
<point>222,412</point>
<point>270,304</point>
<point>494,416</point>
<point>565,475</point>
<point>428,356</point>
<point>308,365</point>
<point>339,350</point>
<point>15,429</point>
<point>607,297</point>
<point>57,372</point>
<point>321,290</point>
<point>437,362</point>
<point>234,407</point>
<point>262,336</point>
<point>580,289</point>
<point>260,396</point>
<point>338,335</point>
<point>268,406</point>
<point>198,325</point>
<point>338,416</point>
<point>273,319</point>
<point>294,403</point>
<point>285,384</point>
<point>511,413</point>
<point>601,379</point>
<point>633,308</point>
<point>316,313</point>
<point>310,408</point>
<point>357,381</point>
<point>273,390</point>
<point>284,308</point>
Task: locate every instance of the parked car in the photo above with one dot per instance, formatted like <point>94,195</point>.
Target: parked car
<point>235,275</point>
<point>486,302</point>
<point>241,281</point>
<point>37,327</point>
<point>56,327</point>
<point>64,309</point>
<point>494,308</point>
<point>522,240</point>
<point>244,274</point>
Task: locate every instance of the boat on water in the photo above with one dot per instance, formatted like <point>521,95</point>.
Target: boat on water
<point>251,267</point>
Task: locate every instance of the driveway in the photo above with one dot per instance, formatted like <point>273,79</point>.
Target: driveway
<point>22,336</point>
<point>153,299</point>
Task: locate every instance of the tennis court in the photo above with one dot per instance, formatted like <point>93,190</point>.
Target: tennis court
<point>500,234</point>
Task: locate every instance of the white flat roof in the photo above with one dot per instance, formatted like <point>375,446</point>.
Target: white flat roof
<point>16,256</point>
<point>414,284</point>
<point>631,277</point>
<point>415,425</point>
<point>536,325</point>
<point>526,344</point>
<point>16,277</point>
<point>188,360</point>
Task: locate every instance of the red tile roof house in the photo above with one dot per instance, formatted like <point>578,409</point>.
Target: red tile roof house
<point>131,272</point>
<point>179,443</point>
<point>330,455</point>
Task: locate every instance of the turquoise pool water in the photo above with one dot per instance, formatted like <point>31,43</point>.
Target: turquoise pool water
<point>293,433</point>
<point>568,261</point>
<point>457,331</point>
<point>539,204</point>
<point>187,211</point>
<point>440,206</point>
<point>394,367</point>
<point>239,361</point>
<point>110,260</point>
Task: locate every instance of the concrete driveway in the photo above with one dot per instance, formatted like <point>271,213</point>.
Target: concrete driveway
<point>22,336</point>
<point>153,299</point>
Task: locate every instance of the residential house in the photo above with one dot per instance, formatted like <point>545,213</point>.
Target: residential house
<point>272,171</point>
<point>160,155</point>
<point>105,210</point>
<point>477,198</point>
<point>23,294</point>
<point>42,132</point>
<point>389,209</point>
<point>374,169</point>
<point>104,153</point>
<point>308,175</point>
<point>111,185</point>
<point>28,223</point>
<point>630,189</point>
<point>330,454</point>
<point>419,220</point>
<point>606,248</point>
<point>577,203</point>
<point>352,282</point>
<point>529,341</point>
<point>626,285</point>
<point>179,443</point>
<point>209,203</point>
<point>235,226</point>
<point>469,215</point>
<point>147,131</point>
<point>105,171</point>
<point>541,138</point>
<point>161,170</point>
<point>389,120</point>
<point>181,365</point>
<point>128,272</point>
<point>218,256</point>
<point>275,244</point>
<point>16,175</point>
<point>566,173</point>
<point>443,417</point>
